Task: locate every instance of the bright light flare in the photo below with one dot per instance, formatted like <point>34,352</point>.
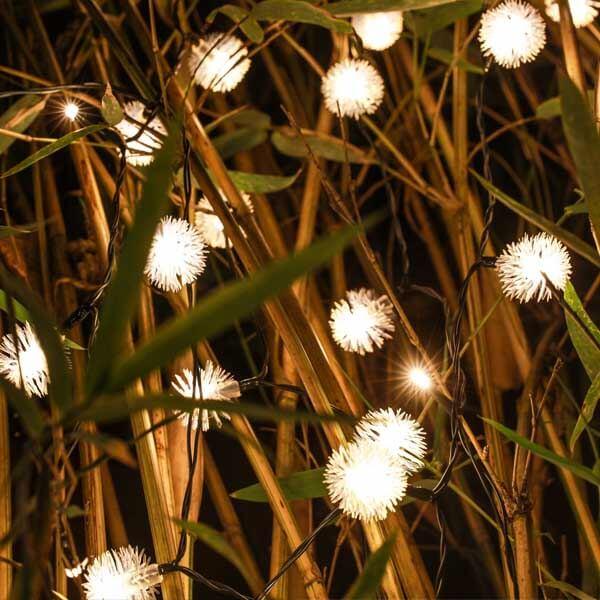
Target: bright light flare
<point>419,379</point>
<point>71,111</point>
<point>380,30</point>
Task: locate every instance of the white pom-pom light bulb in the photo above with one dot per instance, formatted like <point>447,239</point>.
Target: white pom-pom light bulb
<point>365,480</point>
<point>123,574</point>
<point>210,225</point>
<point>362,321</point>
<point>24,363</point>
<point>140,150</point>
<point>583,11</point>
<point>526,266</point>
<point>379,30</point>
<point>513,33</point>
<point>396,433</point>
<point>71,110</point>
<point>215,384</point>
<point>218,62</point>
<point>418,379</point>
<point>177,255</point>
<point>352,88</point>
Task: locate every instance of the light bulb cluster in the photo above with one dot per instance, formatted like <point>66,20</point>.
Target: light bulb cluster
<point>213,383</point>
<point>368,477</point>
<point>362,321</point>
<point>583,11</point>
<point>122,574</point>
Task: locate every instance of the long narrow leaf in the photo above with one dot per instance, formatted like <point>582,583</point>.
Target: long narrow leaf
<point>300,12</point>
<point>19,117</point>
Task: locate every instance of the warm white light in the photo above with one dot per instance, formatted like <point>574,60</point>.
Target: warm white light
<point>177,255</point>
<point>28,363</point>
<point>365,480</point>
<point>209,224</point>
<point>352,88</point>
<point>361,321</point>
<point>583,11</point>
<point>218,62</point>
<point>512,33</point>
<point>379,30</point>
<point>140,150</point>
<point>77,570</point>
<point>524,266</point>
<point>71,110</point>
<point>215,384</point>
<point>419,379</point>
<point>397,433</point>
<point>123,574</point>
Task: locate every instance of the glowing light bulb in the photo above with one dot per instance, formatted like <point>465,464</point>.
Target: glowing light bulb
<point>397,433</point>
<point>123,574</point>
<point>218,62</point>
<point>419,379</point>
<point>513,33</point>
<point>524,266</point>
<point>177,255</point>
<point>365,480</point>
<point>352,88</point>
<point>361,321</point>
<point>215,384</point>
<point>583,11</point>
<point>379,30</point>
<point>141,146</point>
<point>71,110</point>
<point>24,363</point>
<point>210,226</point>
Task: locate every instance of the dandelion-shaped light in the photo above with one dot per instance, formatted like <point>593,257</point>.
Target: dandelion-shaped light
<point>513,33</point>
<point>365,480</point>
<point>583,11</point>
<point>215,384</point>
<point>379,30</point>
<point>361,321</point>
<point>524,266</point>
<point>352,88</point>
<point>210,225</point>
<point>122,574</point>
<point>218,62</point>
<point>24,363</point>
<point>397,433</point>
<point>140,150</point>
<point>177,255</point>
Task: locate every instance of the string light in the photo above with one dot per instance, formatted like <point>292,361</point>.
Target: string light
<point>524,266</point>
<point>71,110</point>
<point>419,379</point>
<point>210,226</point>
<point>123,574</point>
<point>379,30</point>
<point>364,480</point>
<point>361,321</point>
<point>177,255</point>
<point>26,368</point>
<point>583,11</point>
<point>513,33</point>
<point>140,150</point>
<point>215,384</point>
<point>352,88</point>
<point>218,62</point>
<point>397,433</point>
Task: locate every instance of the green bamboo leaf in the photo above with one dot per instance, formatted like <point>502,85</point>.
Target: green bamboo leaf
<point>49,149</point>
<point>569,239</point>
<point>248,24</point>
<point>123,293</point>
<point>216,541</point>
<point>240,140</point>
<point>220,309</point>
<point>584,142</point>
<point>298,486</point>
<point>19,117</point>
<point>366,585</point>
<point>447,57</point>
<point>114,447</point>
<point>557,460</point>
<point>20,311</point>
<point>587,411</point>
<point>26,407</point>
<point>346,8</point>
<point>261,184</point>
<point>247,117</point>
<point>425,22</point>
<point>324,146</point>
<point>567,589</point>
<point>586,349</point>
<point>298,11</point>
<point>551,108</point>
<point>6,231</point>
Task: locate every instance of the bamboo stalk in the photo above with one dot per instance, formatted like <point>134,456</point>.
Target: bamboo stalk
<point>6,551</point>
